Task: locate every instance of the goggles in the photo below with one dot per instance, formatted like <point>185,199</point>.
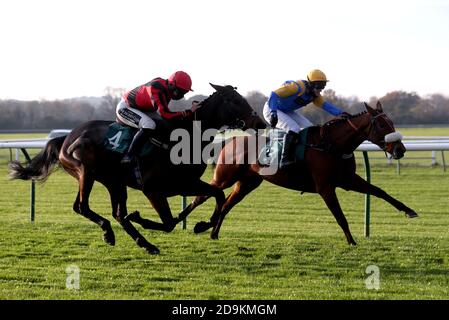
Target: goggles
<point>318,84</point>
<point>179,91</point>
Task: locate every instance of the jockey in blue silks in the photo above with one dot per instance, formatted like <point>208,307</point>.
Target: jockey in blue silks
<point>282,109</point>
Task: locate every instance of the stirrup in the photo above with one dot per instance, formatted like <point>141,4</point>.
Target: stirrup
<point>127,159</point>
<point>286,163</point>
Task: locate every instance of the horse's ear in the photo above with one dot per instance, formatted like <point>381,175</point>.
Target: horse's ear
<point>379,106</point>
<point>369,109</point>
<point>216,86</point>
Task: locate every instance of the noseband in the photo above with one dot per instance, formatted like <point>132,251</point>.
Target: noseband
<point>240,122</point>
<point>391,137</point>
<point>364,132</point>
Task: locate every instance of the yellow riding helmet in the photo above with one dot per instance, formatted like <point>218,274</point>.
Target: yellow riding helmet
<point>316,75</point>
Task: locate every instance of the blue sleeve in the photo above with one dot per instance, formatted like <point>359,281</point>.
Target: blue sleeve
<point>333,110</point>
<point>272,102</point>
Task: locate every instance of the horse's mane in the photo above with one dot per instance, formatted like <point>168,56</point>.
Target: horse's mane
<point>341,120</point>
<point>205,101</point>
<point>229,87</point>
<point>187,121</point>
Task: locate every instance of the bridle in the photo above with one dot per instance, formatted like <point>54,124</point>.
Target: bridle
<point>371,129</point>
<point>366,132</point>
<point>240,121</point>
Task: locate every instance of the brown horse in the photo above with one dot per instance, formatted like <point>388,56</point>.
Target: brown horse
<point>83,155</point>
<point>328,163</point>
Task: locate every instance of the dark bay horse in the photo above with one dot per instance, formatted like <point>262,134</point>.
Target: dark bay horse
<point>83,155</point>
<point>329,163</point>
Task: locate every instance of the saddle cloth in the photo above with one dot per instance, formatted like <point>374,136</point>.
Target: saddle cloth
<point>119,137</point>
<point>272,152</point>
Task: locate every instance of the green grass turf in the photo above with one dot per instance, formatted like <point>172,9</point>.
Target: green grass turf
<point>276,244</point>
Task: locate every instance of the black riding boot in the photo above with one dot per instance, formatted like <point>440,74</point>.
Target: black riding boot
<point>288,151</point>
<point>138,141</point>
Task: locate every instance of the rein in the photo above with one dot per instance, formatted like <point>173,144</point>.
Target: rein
<point>373,119</point>
<point>363,132</point>
<point>327,146</point>
<point>240,123</point>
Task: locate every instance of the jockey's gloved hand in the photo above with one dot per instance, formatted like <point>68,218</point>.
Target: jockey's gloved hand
<point>195,105</point>
<point>273,119</point>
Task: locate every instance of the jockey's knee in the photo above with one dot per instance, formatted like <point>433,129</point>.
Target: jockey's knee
<point>147,123</point>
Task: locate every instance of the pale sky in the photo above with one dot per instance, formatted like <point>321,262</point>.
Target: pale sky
<point>55,49</point>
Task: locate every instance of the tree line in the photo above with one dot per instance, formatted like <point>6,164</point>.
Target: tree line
<point>402,107</point>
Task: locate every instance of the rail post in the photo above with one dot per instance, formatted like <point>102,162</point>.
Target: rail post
<point>184,205</point>
<point>32,189</point>
<point>367,196</point>
<point>442,160</point>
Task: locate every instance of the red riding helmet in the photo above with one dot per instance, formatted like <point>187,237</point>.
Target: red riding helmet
<point>181,80</point>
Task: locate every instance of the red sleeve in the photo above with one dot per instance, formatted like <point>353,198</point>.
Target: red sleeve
<point>160,103</point>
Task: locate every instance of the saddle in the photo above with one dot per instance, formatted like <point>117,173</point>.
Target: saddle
<point>119,137</point>
<point>271,153</point>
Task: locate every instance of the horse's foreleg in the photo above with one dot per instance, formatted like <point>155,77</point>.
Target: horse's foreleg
<point>160,204</point>
<point>199,200</point>
<point>224,177</point>
<point>358,184</point>
<point>220,181</point>
<point>241,189</point>
<point>81,206</point>
<point>330,197</point>
<point>119,211</point>
<point>150,224</point>
<point>203,191</point>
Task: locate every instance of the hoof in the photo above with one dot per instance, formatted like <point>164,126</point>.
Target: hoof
<point>411,214</point>
<point>201,227</point>
<point>214,236</point>
<point>109,237</point>
<point>133,216</point>
<point>152,250</point>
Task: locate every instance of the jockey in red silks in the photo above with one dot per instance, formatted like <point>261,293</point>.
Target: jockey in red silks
<point>282,109</point>
<point>138,107</point>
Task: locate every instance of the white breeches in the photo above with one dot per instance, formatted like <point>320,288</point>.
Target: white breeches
<point>135,118</point>
<point>288,121</point>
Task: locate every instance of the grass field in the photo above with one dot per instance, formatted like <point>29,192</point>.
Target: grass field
<point>276,244</point>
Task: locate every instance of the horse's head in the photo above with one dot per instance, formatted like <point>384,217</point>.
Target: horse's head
<point>233,109</point>
<point>383,134</point>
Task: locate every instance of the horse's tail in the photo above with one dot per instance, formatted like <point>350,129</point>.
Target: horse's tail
<point>40,167</point>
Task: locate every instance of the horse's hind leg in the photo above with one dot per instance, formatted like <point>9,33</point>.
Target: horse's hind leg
<point>81,206</point>
<point>330,198</point>
<point>119,211</point>
<point>358,184</point>
<point>241,189</point>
